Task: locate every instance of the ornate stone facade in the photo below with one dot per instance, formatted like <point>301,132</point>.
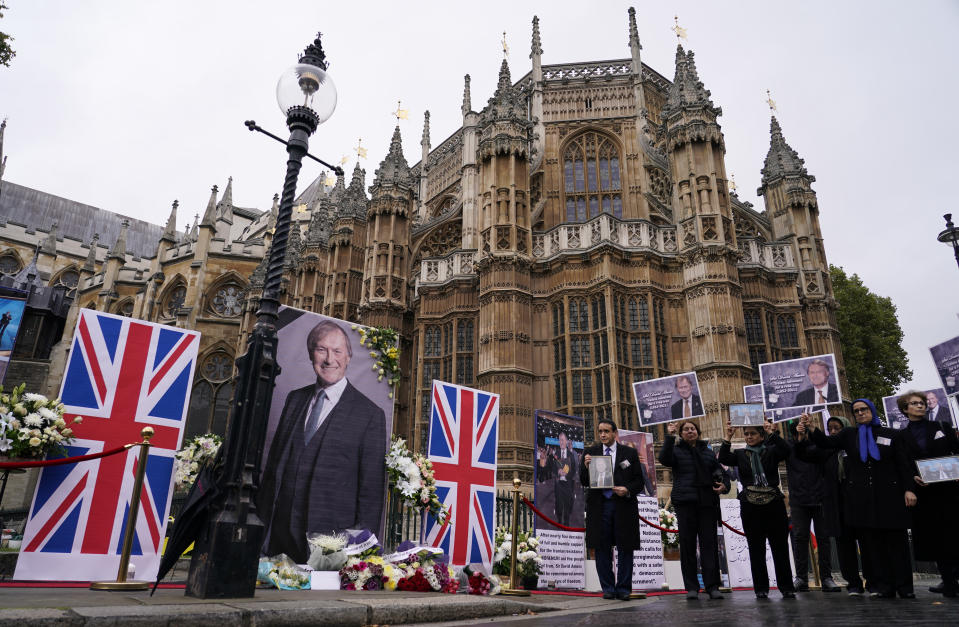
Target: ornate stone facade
<point>575,235</point>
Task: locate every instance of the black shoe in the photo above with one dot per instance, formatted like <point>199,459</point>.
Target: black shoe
<point>883,595</point>
<point>715,595</point>
<point>789,595</point>
<point>692,595</point>
<point>762,595</point>
<point>828,585</point>
<point>907,595</point>
<point>801,585</point>
<point>609,595</point>
<point>622,596</point>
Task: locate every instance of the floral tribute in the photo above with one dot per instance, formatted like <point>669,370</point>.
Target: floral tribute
<point>364,573</point>
<point>382,343</point>
<point>667,518</point>
<point>480,582</point>
<point>195,453</point>
<point>326,551</point>
<point>528,561</point>
<point>411,476</point>
<point>32,426</point>
<point>427,575</point>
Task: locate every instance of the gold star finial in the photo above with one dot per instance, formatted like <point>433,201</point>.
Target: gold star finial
<point>401,113</point>
<point>679,30</point>
<point>344,159</point>
<point>732,183</point>
<point>505,46</point>
<point>330,180</point>
<point>360,150</point>
<point>770,101</point>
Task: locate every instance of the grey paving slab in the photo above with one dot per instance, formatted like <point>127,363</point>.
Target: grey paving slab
<point>208,614</point>
<point>320,612</point>
<point>38,617</point>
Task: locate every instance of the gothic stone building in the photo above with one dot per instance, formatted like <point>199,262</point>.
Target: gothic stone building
<point>575,234</point>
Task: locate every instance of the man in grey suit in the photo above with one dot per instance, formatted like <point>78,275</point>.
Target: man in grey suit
<point>326,469</point>
<point>935,411</point>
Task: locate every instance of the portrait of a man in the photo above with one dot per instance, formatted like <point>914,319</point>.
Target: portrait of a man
<point>936,411</point>
<point>325,467</point>
<point>601,474</point>
<point>689,404</point>
<point>820,390</point>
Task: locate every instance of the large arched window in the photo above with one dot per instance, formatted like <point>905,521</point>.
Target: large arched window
<point>9,264</point>
<point>591,172</point>
<point>212,394</point>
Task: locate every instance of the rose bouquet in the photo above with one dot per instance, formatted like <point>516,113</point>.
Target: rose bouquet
<point>196,452</point>
<point>426,576</point>
<point>411,475</point>
<point>31,425</point>
<point>479,581</point>
<point>667,518</point>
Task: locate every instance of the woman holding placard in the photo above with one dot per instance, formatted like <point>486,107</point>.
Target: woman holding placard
<point>698,480</point>
<point>878,491</point>
<point>762,504</point>
<point>936,502</point>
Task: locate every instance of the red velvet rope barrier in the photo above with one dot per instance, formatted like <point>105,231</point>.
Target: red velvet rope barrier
<point>64,460</point>
<point>651,524</point>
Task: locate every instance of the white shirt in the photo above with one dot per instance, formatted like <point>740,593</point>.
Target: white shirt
<point>612,448</point>
<point>333,394</point>
<point>824,390</point>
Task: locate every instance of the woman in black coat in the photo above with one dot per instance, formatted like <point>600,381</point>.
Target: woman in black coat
<point>698,480</point>
<point>937,504</point>
<point>878,492</point>
<point>762,504</point>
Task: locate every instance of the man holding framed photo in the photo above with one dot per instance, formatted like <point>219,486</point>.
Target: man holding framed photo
<point>612,514</point>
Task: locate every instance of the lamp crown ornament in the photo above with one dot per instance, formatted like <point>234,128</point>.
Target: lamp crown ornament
<point>314,55</point>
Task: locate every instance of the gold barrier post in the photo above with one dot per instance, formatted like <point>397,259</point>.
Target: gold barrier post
<point>513,590</point>
<point>121,583</point>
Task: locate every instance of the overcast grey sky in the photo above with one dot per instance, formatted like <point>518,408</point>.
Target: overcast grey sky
<point>129,105</point>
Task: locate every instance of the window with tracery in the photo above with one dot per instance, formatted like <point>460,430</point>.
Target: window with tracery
<point>68,279</point>
<point>173,301</point>
<point>212,395</point>
<point>125,309</point>
<point>228,301</point>
<point>591,174</point>
<point>9,264</point>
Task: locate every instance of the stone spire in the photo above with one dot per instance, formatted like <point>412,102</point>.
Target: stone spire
<point>687,90</point>
<point>49,245</point>
<point>28,278</point>
<point>318,232</point>
<point>536,47</point>
<point>3,159</point>
<point>119,249</point>
<point>781,160</point>
<point>274,212</point>
<point>393,170</point>
<point>425,141</point>
<point>169,232</point>
<point>90,265</point>
<point>209,216</point>
<point>507,103</point>
<point>294,246</point>
<point>467,103</point>
<point>225,206</point>
<point>353,203</point>
<point>194,230</point>
<point>634,45</point>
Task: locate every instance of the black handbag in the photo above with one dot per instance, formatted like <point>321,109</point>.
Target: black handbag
<point>760,494</point>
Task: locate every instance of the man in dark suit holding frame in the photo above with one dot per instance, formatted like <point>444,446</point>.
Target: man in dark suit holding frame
<point>325,469</point>
<point>612,514</point>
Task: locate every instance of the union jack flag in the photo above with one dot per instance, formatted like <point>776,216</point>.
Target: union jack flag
<point>122,375</point>
<point>464,433</point>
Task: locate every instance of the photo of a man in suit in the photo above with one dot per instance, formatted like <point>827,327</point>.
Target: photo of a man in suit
<point>612,514</point>
<point>325,470</point>
<point>689,404</point>
<point>820,391</point>
<point>935,411</point>
<point>562,465</point>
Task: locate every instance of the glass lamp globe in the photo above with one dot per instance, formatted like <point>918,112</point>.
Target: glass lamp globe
<point>305,85</point>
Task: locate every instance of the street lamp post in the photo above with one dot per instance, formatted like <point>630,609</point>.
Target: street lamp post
<point>228,549</point>
<point>950,235</point>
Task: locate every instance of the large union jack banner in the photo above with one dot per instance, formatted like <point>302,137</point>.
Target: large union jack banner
<point>122,375</point>
<point>464,433</point>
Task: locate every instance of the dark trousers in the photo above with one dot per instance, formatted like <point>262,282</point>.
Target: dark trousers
<point>887,553</point>
<point>697,522</point>
<point>849,559</point>
<point>801,516</point>
<point>763,523</point>
<point>623,582</point>
<point>949,570</point>
<point>563,497</point>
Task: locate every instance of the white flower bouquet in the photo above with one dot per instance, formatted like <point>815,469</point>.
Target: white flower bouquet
<point>326,551</point>
<point>32,426</point>
<point>196,452</point>
<point>528,561</point>
<point>411,475</point>
<point>667,518</point>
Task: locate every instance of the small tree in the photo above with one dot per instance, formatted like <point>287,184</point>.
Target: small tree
<point>6,52</point>
<point>871,338</point>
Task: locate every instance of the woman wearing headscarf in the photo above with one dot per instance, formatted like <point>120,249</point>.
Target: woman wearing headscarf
<point>698,480</point>
<point>878,491</point>
<point>936,502</point>
<point>762,504</point>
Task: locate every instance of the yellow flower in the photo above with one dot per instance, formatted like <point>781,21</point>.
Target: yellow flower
<point>34,441</point>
